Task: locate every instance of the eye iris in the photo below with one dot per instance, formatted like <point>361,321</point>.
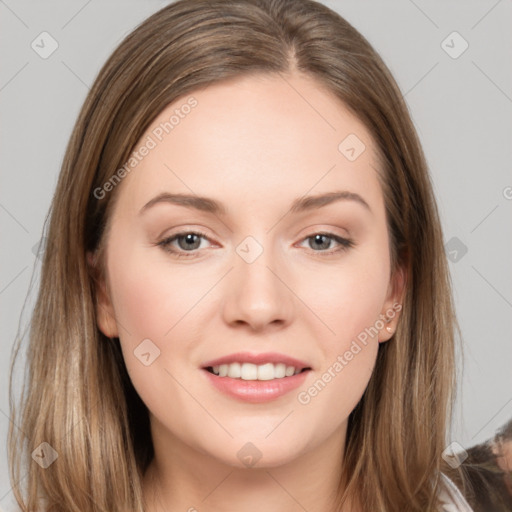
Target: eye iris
<point>189,238</point>
<point>318,239</point>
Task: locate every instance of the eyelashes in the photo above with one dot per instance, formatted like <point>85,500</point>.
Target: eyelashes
<point>166,243</point>
<point>191,238</point>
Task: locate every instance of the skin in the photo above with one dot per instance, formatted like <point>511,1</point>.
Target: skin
<point>255,144</point>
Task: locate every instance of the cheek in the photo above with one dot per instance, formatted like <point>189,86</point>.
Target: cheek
<point>148,302</point>
<point>150,296</point>
<point>348,297</point>
<point>155,300</point>
<point>154,305</point>
<point>331,395</point>
<point>349,301</point>
<point>139,296</point>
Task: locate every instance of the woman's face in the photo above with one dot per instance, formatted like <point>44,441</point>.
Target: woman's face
<point>282,274</point>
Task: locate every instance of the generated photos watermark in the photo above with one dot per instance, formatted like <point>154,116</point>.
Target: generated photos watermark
<point>342,360</point>
<point>151,141</point>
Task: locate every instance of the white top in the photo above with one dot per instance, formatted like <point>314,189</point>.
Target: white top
<point>451,498</point>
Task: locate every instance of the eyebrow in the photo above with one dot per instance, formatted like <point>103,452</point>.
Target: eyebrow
<point>301,204</point>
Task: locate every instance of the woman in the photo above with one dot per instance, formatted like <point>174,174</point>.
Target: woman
<point>301,356</point>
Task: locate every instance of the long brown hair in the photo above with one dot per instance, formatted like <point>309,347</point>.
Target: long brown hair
<point>78,397</point>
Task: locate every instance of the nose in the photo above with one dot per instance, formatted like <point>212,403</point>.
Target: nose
<point>257,293</point>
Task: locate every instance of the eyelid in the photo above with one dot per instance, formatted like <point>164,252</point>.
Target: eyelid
<point>344,243</point>
<point>165,242</point>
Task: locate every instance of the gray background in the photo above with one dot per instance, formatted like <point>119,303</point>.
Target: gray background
<point>461,107</point>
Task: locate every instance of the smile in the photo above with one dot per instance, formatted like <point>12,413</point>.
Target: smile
<point>256,378</point>
<point>249,371</point>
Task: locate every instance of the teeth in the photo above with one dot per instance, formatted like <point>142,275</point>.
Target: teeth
<point>266,372</point>
<point>249,371</point>
<point>280,370</point>
<point>234,370</point>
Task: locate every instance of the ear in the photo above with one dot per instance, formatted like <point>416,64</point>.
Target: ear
<point>393,305</point>
<point>105,317</point>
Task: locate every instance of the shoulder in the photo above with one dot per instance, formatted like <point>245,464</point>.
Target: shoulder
<point>450,498</point>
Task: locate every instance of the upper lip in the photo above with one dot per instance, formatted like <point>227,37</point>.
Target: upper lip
<point>258,359</point>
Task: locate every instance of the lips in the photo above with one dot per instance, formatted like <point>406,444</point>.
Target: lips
<point>256,378</point>
<point>258,359</point>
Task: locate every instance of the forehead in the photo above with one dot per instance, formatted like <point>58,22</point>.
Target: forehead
<point>258,140</point>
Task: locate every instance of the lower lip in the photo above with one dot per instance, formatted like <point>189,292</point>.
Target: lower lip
<point>256,391</point>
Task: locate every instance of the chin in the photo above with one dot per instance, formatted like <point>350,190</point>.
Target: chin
<point>256,453</point>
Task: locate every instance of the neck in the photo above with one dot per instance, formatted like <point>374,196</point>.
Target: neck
<point>181,478</point>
